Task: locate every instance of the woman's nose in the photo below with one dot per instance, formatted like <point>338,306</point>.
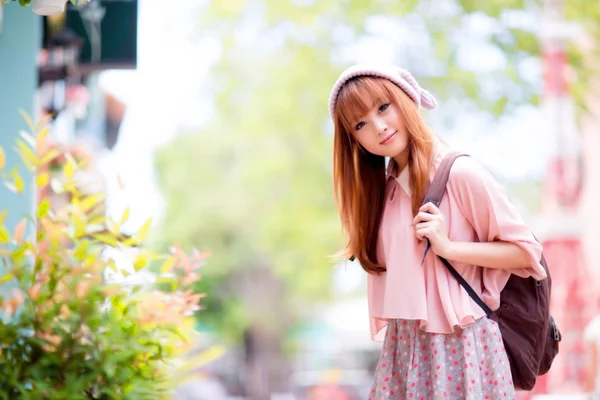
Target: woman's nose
<point>381,126</point>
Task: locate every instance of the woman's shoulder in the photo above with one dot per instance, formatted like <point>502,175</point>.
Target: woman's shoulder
<point>469,178</point>
<point>467,170</point>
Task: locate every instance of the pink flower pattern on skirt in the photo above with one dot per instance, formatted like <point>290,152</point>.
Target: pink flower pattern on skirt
<point>469,364</point>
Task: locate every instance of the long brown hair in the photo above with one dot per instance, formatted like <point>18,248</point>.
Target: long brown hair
<point>359,176</point>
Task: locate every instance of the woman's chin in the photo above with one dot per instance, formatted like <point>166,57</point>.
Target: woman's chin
<point>395,151</point>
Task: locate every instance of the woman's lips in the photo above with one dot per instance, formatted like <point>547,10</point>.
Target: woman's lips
<point>387,139</point>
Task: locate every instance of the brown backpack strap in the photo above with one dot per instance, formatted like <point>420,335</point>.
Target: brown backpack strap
<point>436,189</point>
<point>434,195</point>
<point>440,180</point>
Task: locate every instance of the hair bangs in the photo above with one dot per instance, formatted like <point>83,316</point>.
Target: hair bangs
<point>358,96</point>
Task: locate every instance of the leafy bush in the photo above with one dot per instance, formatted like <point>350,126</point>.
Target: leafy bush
<point>66,332</point>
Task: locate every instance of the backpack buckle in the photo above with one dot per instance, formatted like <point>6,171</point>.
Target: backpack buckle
<point>555,332</point>
<point>435,203</point>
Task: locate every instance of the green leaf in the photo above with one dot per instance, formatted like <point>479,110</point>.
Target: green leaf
<point>79,224</point>
<point>43,208</point>
<point>143,232</point>
<point>500,105</point>
<point>4,235</point>
<point>140,261</point>
<point>25,115</point>
<point>19,184</point>
<point>112,265</point>
<point>168,264</point>
<point>27,156</point>
<point>69,169</point>
<point>125,216</point>
<point>51,154</point>
<point>131,241</point>
<point>91,201</point>
<point>105,238</point>
<point>170,282</point>
<point>42,179</point>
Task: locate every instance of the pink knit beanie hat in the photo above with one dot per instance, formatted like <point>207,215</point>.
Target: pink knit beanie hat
<point>397,75</point>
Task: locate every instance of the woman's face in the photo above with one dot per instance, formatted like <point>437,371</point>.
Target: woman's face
<point>382,131</point>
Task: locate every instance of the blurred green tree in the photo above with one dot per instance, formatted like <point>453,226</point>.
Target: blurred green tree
<point>440,42</point>
<point>254,186</point>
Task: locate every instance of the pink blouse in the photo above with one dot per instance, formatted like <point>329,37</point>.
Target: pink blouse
<point>476,209</point>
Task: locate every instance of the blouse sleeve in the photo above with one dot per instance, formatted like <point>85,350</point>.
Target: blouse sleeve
<point>484,203</point>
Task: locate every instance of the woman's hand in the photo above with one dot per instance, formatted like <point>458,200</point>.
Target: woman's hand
<point>429,223</point>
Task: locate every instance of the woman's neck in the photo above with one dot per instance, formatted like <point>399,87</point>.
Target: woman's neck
<point>401,160</point>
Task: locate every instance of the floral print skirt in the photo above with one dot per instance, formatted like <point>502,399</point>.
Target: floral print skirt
<point>469,364</point>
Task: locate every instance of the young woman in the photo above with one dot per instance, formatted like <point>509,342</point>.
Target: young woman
<point>438,344</point>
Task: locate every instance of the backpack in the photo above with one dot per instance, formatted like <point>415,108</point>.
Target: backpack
<point>528,330</point>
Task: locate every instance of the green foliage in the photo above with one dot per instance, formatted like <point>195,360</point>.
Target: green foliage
<point>254,186</point>
<point>319,23</point>
<point>65,331</point>
<point>444,26</point>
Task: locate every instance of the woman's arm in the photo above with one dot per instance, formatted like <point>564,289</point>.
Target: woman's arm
<point>502,255</point>
<point>503,241</point>
<point>429,223</point>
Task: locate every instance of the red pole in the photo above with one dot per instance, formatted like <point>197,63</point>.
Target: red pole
<point>561,199</point>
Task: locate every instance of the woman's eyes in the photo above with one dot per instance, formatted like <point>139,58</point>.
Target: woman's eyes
<point>381,109</point>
